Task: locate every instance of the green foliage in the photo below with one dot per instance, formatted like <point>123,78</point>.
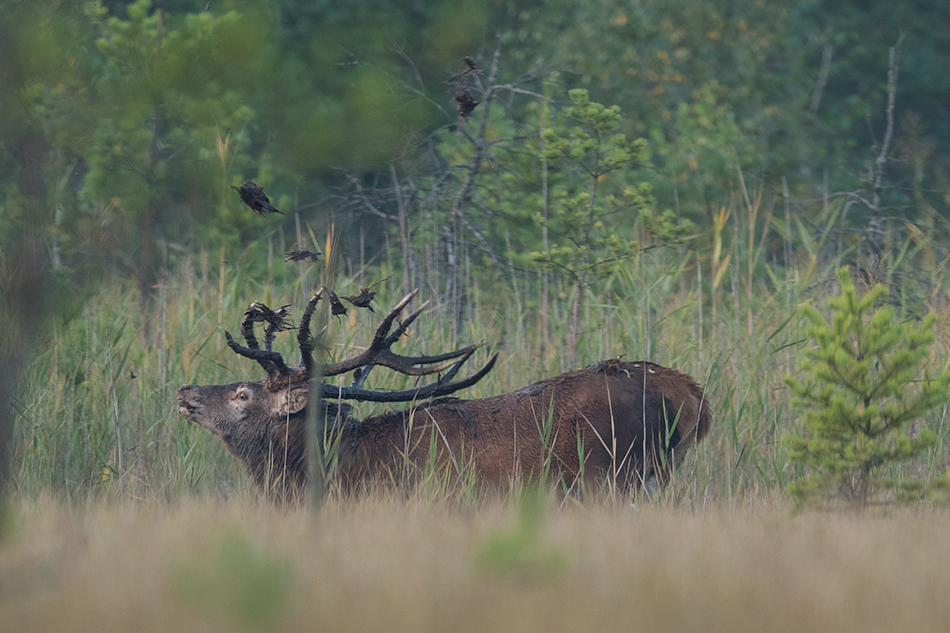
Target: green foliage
<point>124,103</point>
<point>865,381</point>
<point>164,99</point>
<point>710,85</point>
<point>701,142</point>
<point>591,219</point>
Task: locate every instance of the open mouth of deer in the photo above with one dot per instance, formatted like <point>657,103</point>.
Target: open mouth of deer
<point>185,408</point>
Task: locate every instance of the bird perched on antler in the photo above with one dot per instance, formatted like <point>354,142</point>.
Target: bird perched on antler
<point>257,312</point>
<point>253,196</point>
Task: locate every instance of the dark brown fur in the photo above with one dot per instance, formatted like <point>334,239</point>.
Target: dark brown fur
<point>633,420</point>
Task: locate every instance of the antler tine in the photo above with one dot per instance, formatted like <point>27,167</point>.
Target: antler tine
<point>402,327</point>
<point>384,326</point>
<point>271,361</point>
<point>441,387</point>
<point>468,381</point>
<point>269,332</point>
<point>406,364</point>
<point>247,331</point>
<point>278,323</point>
<point>304,340</point>
<point>379,352</point>
<point>438,358</point>
<point>454,368</point>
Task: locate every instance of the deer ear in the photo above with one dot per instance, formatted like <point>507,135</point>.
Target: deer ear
<point>293,399</point>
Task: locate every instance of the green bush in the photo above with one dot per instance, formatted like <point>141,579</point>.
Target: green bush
<point>865,381</point>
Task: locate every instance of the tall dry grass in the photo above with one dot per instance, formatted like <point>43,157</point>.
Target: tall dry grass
<point>382,563</point>
<point>98,415</point>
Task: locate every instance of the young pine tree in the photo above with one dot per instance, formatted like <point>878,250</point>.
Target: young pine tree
<point>865,381</point>
<point>591,215</point>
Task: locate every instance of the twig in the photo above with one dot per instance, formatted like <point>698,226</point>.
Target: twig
<point>822,79</point>
<point>479,141</point>
<point>521,91</point>
<point>115,411</point>
<point>892,68</point>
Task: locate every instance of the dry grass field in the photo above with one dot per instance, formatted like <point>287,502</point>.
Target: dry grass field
<point>380,564</point>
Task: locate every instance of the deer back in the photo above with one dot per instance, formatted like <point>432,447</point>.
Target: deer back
<point>632,419</point>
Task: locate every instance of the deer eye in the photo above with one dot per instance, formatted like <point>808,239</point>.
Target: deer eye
<point>242,395</point>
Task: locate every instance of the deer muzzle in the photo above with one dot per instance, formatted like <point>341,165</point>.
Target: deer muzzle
<point>186,406</point>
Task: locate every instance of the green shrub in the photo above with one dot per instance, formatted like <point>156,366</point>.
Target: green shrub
<point>865,381</point>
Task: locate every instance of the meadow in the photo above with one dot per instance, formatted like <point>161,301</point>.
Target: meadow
<point>390,564</point>
<point>124,515</point>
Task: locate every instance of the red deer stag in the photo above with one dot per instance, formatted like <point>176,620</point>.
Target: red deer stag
<point>620,422</point>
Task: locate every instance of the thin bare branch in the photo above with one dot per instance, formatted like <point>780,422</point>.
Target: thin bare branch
<point>521,91</point>
<point>822,79</point>
<point>892,68</point>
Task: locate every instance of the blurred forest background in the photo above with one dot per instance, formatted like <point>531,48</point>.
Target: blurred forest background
<point>671,176</point>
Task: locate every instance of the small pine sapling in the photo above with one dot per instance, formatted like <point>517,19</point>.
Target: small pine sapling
<point>865,380</point>
<point>591,214</point>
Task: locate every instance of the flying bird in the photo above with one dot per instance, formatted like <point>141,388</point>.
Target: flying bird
<point>365,297</point>
<point>253,196</point>
<point>362,300</point>
<point>301,255</point>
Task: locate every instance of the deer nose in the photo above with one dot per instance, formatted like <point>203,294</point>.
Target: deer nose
<point>185,407</point>
<point>183,393</point>
<point>184,389</point>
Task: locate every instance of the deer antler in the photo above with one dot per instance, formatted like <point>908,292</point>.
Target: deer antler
<point>271,361</point>
<point>443,386</point>
<point>378,353</point>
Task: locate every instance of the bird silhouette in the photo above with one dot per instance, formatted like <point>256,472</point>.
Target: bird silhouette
<point>337,308</point>
<point>465,102</point>
<point>470,66</point>
<point>301,255</point>
<point>253,196</point>
<point>362,300</point>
